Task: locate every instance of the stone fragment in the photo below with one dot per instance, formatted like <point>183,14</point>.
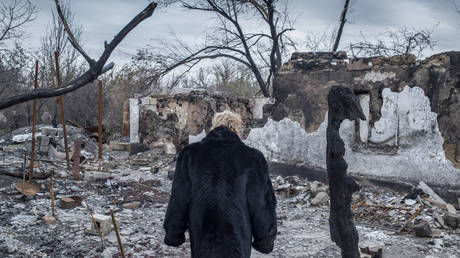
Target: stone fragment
<point>20,138</point>
<point>49,131</point>
<point>320,198</point>
<point>103,222</point>
<point>136,148</point>
<point>450,208</point>
<point>70,202</point>
<point>167,146</point>
<point>119,146</point>
<point>439,219</point>
<point>314,187</point>
<point>410,202</point>
<point>170,148</point>
<point>371,249</point>
<point>132,205</point>
<point>53,153</point>
<point>30,188</point>
<point>436,203</point>
<point>452,220</point>
<point>43,141</point>
<point>49,219</point>
<point>425,188</point>
<point>422,229</point>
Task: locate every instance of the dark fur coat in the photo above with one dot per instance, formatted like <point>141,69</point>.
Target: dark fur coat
<point>223,195</point>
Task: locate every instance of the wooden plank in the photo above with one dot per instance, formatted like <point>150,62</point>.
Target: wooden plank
<point>34,124</point>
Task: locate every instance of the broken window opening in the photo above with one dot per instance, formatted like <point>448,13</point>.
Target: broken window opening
<point>383,136</point>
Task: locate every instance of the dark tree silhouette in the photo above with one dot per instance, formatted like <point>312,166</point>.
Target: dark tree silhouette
<point>261,50</point>
<point>343,104</point>
<point>96,68</point>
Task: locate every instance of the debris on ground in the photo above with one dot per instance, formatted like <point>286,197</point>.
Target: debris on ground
<point>136,187</point>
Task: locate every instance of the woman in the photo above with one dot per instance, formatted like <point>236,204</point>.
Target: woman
<point>222,193</point>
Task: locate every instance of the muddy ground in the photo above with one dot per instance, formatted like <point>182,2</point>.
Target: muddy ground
<point>120,181</point>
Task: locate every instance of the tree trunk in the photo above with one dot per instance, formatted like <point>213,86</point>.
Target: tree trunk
<point>342,23</point>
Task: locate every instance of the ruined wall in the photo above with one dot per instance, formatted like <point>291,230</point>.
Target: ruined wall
<point>172,118</point>
<point>301,92</point>
<point>417,155</point>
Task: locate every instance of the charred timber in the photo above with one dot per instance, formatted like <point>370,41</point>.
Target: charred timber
<point>343,104</point>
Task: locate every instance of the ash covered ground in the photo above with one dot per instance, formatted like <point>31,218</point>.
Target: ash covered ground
<point>137,189</point>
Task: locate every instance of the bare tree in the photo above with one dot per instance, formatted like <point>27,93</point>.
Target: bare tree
<point>71,65</point>
<point>14,79</point>
<point>317,42</point>
<point>260,51</point>
<point>395,42</point>
<point>228,77</point>
<point>13,15</point>
<point>95,67</point>
<point>55,40</point>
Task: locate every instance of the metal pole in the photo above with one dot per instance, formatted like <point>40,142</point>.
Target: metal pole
<point>52,193</point>
<point>99,138</point>
<point>76,159</point>
<point>34,123</point>
<point>115,226</point>
<point>61,104</point>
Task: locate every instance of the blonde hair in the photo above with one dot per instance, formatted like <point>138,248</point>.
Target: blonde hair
<point>228,119</point>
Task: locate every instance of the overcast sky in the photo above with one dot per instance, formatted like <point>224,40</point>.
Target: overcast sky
<point>102,19</point>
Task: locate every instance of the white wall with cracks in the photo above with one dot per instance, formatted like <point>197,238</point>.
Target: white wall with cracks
<point>419,154</point>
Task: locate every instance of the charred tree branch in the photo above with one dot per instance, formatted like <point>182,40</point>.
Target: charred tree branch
<point>342,23</point>
<point>91,74</point>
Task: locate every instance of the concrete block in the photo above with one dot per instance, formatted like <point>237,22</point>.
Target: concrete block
<point>137,148</point>
<point>103,222</point>
<point>119,146</point>
<point>49,219</point>
<point>49,131</point>
<point>134,120</point>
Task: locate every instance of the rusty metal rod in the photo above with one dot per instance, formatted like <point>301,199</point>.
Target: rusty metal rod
<point>95,225</point>
<point>357,205</point>
<point>99,137</point>
<point>52,193</point>
<point>412,217</point>
<point>61,104</point>
<point>386,207</point>
<point>120,244</point>
<point>34,124</point>
<point>76,159</point>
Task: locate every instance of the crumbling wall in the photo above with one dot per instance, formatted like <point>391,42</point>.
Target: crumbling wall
<point>300,90</point>
<point>419,154</point>
<point>172,118</point>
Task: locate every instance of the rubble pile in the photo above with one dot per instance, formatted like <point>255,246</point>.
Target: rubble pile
<point>49,141</point>
<point>136,188</point>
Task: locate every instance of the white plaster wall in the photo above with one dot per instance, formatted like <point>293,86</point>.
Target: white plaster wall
<point>420,155</point>
<point>375,76</point>
<point>134,120</point>
<point>386,128</point>
<point>258,109</point>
